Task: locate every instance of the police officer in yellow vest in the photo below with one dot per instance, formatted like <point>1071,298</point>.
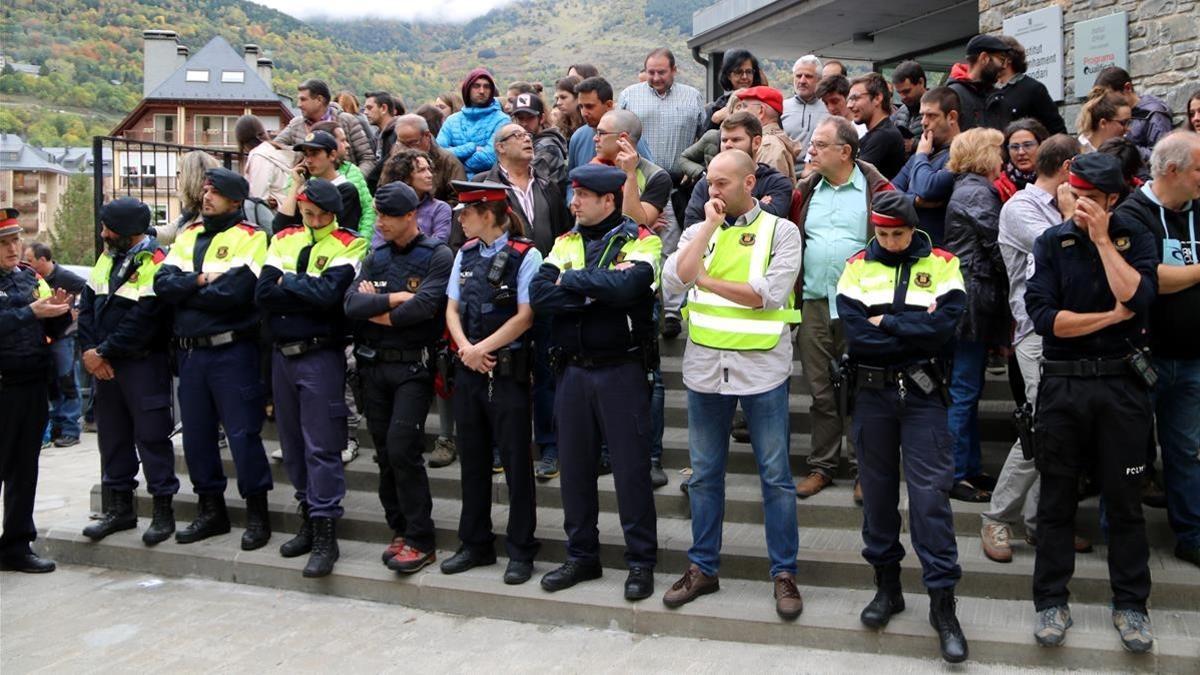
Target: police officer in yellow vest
<point>598,285</point>
<point>900,300</point>
<point>306,275</point>
<point>208,278</point>
<point>29,314</point>
<point>123,336</point>
<point>738,268</point>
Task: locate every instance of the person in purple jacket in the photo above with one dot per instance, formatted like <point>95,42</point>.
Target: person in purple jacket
<point>416,169</point>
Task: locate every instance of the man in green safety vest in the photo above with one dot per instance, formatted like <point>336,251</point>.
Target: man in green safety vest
<point>738,269</point>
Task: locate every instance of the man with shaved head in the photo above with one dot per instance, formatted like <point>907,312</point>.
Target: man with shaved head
<point>738,268</point>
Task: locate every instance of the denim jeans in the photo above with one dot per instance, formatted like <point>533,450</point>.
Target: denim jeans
<point>66,406</point>
<point>966,386</point>
<point>1177,409</point>
<point>710,417</point>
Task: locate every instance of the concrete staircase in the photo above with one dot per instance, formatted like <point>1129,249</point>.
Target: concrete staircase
<point>994,600</point>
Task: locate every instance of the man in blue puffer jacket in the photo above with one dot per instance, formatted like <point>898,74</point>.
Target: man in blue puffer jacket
<point>468,132</point>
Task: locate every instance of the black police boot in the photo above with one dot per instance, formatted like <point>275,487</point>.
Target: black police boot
<point>211,519</point>
<point>162,525</point>
<point>118,516</point>
<point>258,523</point>
<point>941,617</point>
<point>324,548</point>
<point>888,598</point>
<point>303,541</point>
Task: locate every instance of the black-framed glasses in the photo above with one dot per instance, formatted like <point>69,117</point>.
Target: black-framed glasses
<point>1127,122</point>
<point>821,145</point>
<point>516,134</point>
<point>602,134</point>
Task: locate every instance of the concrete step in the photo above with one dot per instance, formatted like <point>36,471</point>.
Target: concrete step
<point>998,631</point>
<point>827,556</point>
<point>833,507</point>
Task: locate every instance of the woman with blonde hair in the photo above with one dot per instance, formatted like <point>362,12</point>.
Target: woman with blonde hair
<point>189,187</point>
<point>1104,115</point>
<point>972,228</point>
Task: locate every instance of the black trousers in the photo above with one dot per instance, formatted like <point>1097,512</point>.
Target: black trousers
<point>1096,424</point>
<point>502,420</point>
<point>24,411</point>
<point>396,398</point>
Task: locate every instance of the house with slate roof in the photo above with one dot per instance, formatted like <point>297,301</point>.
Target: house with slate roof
<point>31,182</point>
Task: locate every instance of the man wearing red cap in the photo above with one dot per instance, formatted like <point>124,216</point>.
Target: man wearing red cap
<point>29,313</point>
<point>777,149</point>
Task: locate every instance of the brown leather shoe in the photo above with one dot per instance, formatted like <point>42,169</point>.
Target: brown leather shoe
<point>858,493</point>
<point>788,603</point>
<point>812,484</point>
<point>690,586</point>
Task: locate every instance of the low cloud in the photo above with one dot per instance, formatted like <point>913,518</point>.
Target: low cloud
<point>439,12</point>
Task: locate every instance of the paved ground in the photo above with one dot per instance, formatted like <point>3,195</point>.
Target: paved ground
<point>85,619</point>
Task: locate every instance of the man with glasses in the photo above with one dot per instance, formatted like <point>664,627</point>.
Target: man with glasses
<point>882,145</point>
<point>986,57</point>
<point>412,133</point>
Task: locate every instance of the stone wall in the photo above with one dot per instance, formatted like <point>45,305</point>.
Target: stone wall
<point>1164,43</point>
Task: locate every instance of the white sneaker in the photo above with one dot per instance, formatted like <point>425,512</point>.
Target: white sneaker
<point>351,451</point>
<point>277,454</point>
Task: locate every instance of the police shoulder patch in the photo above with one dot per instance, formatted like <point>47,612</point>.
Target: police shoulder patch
<point>942,253</point>
<point>222,252</point>
<point>321,261</point>
<point>923,280</point>
<point>413,284</point>
<point>1122,243</point>
<point>1065,243</point>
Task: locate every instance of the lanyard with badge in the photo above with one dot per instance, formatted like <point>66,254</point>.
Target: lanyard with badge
<point>1172,249</point>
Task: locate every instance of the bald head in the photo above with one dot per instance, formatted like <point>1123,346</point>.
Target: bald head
<point>622,121</point>
<point>731,179</point>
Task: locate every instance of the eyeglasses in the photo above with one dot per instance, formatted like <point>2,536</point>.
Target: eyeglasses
<point>821,145</point>
<point>520,135</point>
<point>602,134</point>
<point>1022,147</point>
<point>1127,122</point>
<point>744,72</point>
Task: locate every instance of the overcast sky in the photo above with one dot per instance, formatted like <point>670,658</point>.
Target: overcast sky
<point>438,10</point>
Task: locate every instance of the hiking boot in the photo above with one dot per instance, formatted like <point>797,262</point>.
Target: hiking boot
<point>443,453</point>
<point>1052,624</point>
<point>658,477</point>
<point>1134,627</point>
<point>546,469</point>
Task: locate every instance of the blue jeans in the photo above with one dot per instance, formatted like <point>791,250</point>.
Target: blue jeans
<point>1177,410</point>
<point>710,417</point>
<point>66,406</point>
<point>962,416</point>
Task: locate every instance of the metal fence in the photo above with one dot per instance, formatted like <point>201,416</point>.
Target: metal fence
<point>147,170</point>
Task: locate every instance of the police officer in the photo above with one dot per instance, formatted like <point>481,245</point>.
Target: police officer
<point>397,304</point>
<point>1089,298</point>
<point>306,275</point>
<point>208,278</point>
<point>598,284</point>
<point>900,301</point>
<point>489,318</point>
<point>29,313</point>
<point>123,341</point>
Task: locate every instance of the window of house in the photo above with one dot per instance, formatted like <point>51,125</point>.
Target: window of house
<point>196,76</point>
<point>233,76</point>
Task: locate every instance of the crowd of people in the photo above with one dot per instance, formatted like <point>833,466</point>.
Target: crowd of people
<point>516,258</point>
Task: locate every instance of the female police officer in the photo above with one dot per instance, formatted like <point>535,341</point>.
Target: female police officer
<point>488,316</point>
<point>900,301</point>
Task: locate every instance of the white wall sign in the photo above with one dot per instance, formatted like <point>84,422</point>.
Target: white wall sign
<point>1041,34</point>
<point>1099,43</point>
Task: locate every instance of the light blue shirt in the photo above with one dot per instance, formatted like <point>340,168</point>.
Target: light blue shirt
<point>835,229</point>
<point>529,266</point>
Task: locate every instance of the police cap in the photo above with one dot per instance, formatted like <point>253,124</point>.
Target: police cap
<point>229,184</point>
<point>893,209</point>
<point>599,178</point>
<point>8,222</point>
<point>471,192</point>
<point>1097,171</point>
<point>318,140</point>
<point>127,216</point>
<point>396,199</point>
<point>322,194</point>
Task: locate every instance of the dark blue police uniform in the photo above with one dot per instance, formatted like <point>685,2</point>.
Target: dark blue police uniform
<point>216,330</point>
<point>125,323</point>
<point>396,370</point>
<point>493,409</point>
<point>1093,411</point>
<point>604,344</point>
<point>26,368</point>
